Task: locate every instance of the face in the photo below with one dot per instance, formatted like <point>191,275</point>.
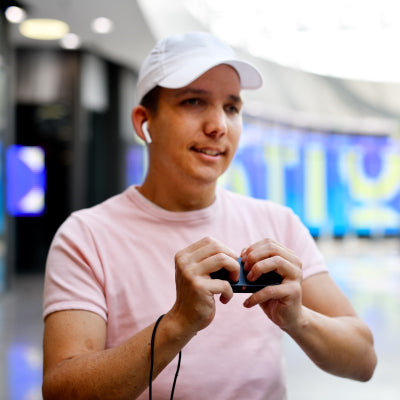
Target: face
<point>196,129</point>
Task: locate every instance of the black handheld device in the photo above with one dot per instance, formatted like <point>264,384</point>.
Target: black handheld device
<point>245,286</point>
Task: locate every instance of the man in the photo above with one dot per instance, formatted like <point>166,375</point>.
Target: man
<point>114,269</point>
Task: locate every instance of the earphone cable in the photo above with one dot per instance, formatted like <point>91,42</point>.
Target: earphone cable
<point>152,361</point>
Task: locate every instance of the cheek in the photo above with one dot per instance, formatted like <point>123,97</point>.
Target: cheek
<point>236,133</point>
<point>234,144</point>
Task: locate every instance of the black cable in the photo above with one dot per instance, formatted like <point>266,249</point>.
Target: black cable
<point>152,354</point>
<point>152,361</point>
<point>176,375</point>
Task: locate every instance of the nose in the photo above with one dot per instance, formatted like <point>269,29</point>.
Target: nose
<point>216,124</point>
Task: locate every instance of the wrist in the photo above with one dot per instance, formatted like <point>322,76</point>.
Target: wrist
<point>176,328</point>
<point>299,324</point>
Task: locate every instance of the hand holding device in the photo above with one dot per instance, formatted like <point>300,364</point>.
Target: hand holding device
<point>243,285</point>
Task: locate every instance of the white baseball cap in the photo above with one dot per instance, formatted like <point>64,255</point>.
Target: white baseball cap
<point>177,60</point>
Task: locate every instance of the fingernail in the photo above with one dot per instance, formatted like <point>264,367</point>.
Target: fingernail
<point>246,303</point>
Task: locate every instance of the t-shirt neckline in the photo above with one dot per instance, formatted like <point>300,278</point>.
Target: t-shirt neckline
<point>160,213</point>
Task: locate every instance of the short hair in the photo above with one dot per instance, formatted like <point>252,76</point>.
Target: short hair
<point>150,100</point>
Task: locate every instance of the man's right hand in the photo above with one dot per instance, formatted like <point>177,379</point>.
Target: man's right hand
<point>195,290</point>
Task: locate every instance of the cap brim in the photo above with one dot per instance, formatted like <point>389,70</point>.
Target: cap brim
<point>250,77</point>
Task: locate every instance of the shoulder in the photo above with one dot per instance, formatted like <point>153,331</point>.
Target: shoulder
<point>85,224</point>
<point>110,209</point>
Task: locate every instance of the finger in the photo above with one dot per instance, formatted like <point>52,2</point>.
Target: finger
<point>217,286</point>
<point>210,255</point>
<point>275,292</point>
<point>282,266</point>
<point>265,249</point>
<point>221,261</point>
<point>207,247</point>
<point>243,254</point>
<point>268,247</point>
<point>188,260</point>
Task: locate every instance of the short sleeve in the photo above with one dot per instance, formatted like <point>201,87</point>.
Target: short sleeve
<point>74,277</point>
<point>295,235</point>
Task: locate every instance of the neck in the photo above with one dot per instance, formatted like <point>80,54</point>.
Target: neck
<point>175,199</point>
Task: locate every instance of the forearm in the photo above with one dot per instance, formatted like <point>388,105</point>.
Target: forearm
<point>342,346</point>
<point>118,373</point>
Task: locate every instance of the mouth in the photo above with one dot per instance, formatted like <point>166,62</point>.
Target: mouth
<point>208,151</point>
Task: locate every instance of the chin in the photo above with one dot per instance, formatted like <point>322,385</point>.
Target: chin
<point>206,176</point>
<point>208,180</point>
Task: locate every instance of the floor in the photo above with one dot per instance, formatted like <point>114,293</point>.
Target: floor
<point>21,340</point>
<point>367,271</point>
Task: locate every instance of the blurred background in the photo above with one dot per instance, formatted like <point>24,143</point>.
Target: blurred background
<point>322,137</point>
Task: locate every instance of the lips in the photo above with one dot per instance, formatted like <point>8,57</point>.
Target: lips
<point>208,151</point>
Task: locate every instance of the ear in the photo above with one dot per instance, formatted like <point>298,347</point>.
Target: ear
<point>139,116</point>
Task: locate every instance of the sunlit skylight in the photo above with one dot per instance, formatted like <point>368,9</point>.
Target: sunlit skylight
<point>356,39</point>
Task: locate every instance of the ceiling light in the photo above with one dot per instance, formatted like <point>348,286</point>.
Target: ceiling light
<point>70,41</point>
<point>15,15</point>
<point>44,29</point>
<point>102,25</point>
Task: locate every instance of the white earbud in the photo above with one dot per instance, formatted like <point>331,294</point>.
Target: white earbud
<point>146,132</point>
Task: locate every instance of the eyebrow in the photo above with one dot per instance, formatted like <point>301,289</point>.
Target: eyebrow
<point>193,91</point>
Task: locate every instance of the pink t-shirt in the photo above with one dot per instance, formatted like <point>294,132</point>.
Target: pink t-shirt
<point>117,260</point>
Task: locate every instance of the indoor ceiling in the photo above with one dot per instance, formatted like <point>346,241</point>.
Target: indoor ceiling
<point>127,43</point>
<point>354,39</point>
<point>288,92</point>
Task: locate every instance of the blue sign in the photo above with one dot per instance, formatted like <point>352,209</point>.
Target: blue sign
<point>336,183</point>
<point>26,180</point>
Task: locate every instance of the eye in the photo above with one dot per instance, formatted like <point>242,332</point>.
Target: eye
<point>193,101</point>
<point>232,109</point>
